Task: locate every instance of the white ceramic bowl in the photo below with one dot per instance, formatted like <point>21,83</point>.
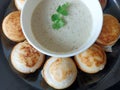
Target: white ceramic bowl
<point>26,16</point>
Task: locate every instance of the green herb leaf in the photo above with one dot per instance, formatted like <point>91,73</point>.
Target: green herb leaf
<point>55,17</point>
<point>58,24</point>
<point>63,9</point>
<point>58,18</point>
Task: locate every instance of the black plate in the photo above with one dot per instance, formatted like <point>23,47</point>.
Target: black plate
<point>83,81</point>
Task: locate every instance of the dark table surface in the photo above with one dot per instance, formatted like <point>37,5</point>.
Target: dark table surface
<point>10,81</point>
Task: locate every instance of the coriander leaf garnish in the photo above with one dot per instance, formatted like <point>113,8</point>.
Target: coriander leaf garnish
<point>63,9</point>
<point>55,17</point>
<point>58,24</point>
<point>58,18</point>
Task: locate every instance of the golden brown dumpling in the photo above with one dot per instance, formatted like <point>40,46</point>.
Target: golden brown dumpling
<point>92,60</point>
<point>59,73</point>
<point>25,58</point>
<point>12,28</point>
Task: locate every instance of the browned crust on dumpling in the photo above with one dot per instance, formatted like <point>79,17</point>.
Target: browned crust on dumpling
<point>57,65</point>
<point>12,28</point>
<point>65,71</point>
<point>110,31</point>
<point>29,56</point>
<point>95,55</point>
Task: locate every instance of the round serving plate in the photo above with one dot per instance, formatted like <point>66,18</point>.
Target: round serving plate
<point>84,81</point>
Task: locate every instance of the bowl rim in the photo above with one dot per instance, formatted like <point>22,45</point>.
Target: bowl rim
<point>57,54</point>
